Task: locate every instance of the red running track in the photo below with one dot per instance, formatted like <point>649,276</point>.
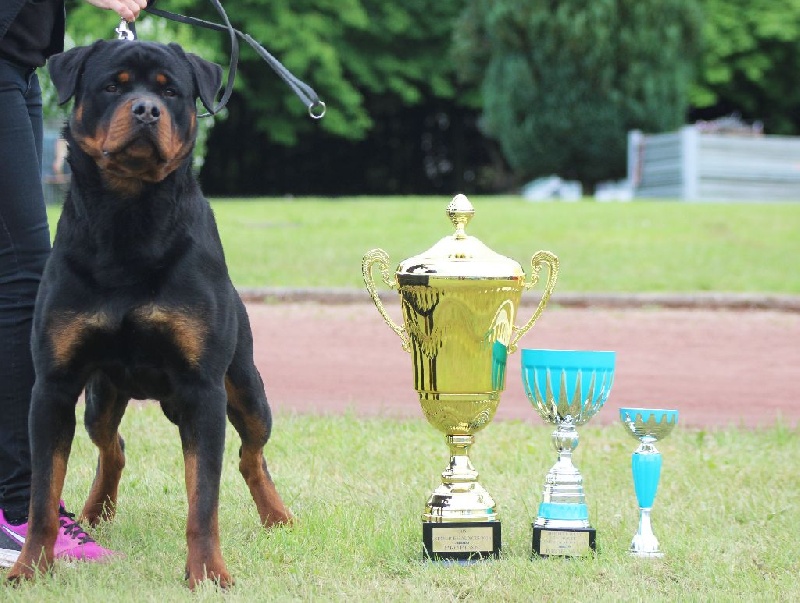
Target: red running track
<point>718,367</point>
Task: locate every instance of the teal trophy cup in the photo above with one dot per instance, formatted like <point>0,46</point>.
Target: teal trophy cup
<point>648,426</point>
<point>566,388</point>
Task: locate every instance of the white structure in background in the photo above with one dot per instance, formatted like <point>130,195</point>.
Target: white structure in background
<point>619,190</point>
<point>55,169</point>
<point>552,187</point>
<point>714,161</point>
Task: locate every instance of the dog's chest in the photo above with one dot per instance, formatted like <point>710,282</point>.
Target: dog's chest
<point>149,334</point>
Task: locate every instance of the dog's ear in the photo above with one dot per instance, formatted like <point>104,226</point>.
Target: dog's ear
<point>66,69</point>
<point>207,77</point>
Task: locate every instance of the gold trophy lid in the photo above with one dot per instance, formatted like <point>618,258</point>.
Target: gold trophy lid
<point>458,256</point>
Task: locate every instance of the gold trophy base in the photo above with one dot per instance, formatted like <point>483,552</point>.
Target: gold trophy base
<point>461,541</point>
<point>563,542</point>
<point>460,520</point>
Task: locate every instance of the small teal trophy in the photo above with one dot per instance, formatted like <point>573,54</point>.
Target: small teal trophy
<point>567,388</point>
<point>648,426</point>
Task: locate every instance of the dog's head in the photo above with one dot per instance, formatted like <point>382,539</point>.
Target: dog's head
<point>135,106</point>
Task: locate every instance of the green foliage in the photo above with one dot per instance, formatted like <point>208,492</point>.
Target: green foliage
<point>751,52</point>
<point>563,82</point>
<point>347,50</point>
<point>344,49</point>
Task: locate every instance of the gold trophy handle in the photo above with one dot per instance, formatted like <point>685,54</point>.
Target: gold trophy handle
<point>539,259</point>
<point>381,258</point>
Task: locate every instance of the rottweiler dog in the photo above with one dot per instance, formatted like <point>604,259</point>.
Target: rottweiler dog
<point>136,301</point>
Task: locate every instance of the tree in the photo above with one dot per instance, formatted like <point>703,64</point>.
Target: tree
<point>382,69</point>
<point>563,82</point>
<point>342,48</point>
<point>750,62</point>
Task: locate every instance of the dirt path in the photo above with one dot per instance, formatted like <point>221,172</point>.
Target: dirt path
<point>717,367</point>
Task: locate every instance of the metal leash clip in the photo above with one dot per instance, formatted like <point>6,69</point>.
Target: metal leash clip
<point>124,32</point>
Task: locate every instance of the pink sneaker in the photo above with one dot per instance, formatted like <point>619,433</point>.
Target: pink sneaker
<point>72,542</point>
<point>10,541</point>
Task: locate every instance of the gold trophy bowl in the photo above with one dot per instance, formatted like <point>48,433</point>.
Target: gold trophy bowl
<point>459,301</point>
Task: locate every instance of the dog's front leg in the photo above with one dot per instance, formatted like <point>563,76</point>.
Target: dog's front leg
<point>52,427</point>
<point>202,429</point>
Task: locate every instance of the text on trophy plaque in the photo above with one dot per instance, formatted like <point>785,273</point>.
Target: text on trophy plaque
<point>462,540</point>
<point>564,543</point>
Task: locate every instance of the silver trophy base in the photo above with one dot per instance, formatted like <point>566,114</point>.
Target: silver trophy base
<point>645,543</point>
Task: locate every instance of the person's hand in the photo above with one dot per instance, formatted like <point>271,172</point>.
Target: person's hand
<point>126,9</point>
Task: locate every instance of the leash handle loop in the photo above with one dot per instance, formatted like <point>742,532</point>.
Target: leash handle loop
<point>307,95</point>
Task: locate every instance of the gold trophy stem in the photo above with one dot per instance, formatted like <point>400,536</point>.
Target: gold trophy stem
<point>460,469</point>
<point>460,497</point>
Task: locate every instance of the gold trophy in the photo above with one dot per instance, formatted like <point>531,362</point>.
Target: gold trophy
<point>459,302</point>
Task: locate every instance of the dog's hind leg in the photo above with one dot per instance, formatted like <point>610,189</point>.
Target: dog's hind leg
<point>105,406</point>
<point>249,413</point>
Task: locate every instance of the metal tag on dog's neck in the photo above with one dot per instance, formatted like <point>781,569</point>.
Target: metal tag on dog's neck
<point>124,32</point>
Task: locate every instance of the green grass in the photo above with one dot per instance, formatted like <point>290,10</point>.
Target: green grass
<point>645,246</point>
<point>726,515</point>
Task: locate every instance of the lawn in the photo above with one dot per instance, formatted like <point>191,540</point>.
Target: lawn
<point>726,515</point>
<point>726,512</point>
<point>646,246</point>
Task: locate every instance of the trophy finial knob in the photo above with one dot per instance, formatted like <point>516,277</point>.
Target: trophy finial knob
<point>460,212</point>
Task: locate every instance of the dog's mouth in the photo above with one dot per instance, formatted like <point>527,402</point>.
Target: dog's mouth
<point>132,151</point>
<point>137,154</point>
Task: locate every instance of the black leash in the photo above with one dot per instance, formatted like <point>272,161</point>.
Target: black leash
<point>316,108</point>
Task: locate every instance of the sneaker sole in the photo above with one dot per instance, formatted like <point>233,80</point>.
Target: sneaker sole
<point>8,558</point>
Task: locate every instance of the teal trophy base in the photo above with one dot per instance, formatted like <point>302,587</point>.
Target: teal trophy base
<point>563,530</point>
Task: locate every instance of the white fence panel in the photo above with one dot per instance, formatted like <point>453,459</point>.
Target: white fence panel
<point>693,165</point>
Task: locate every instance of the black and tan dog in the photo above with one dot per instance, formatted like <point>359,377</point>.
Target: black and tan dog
<point>136,301</point>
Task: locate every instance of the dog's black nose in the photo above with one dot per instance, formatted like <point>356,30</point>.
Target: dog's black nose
<point>146,111</point>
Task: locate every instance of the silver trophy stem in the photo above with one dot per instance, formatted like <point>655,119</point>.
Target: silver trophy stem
<point>564,483</point>
<point>645,543</point>
<point>647,446</point>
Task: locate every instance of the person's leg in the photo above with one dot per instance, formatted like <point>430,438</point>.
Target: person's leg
<point>24,246</point>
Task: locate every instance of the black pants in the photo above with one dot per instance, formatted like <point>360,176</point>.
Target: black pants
<point>24,246</point>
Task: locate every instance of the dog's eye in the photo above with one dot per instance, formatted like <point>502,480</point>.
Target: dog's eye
<point>111,88</point>
<point>170,92</point>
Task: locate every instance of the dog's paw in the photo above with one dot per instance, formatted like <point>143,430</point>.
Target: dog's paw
<point>204,575</point>
<point>277,519</point>
<point>94,513</point>
<point>22,572</point>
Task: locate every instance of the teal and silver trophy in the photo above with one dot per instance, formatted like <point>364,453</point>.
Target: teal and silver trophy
<point>648,426</point>
<point>567,388</point>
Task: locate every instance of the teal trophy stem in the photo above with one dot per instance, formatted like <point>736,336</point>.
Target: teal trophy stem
<point>648,425</point>
<point>646,467</point>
